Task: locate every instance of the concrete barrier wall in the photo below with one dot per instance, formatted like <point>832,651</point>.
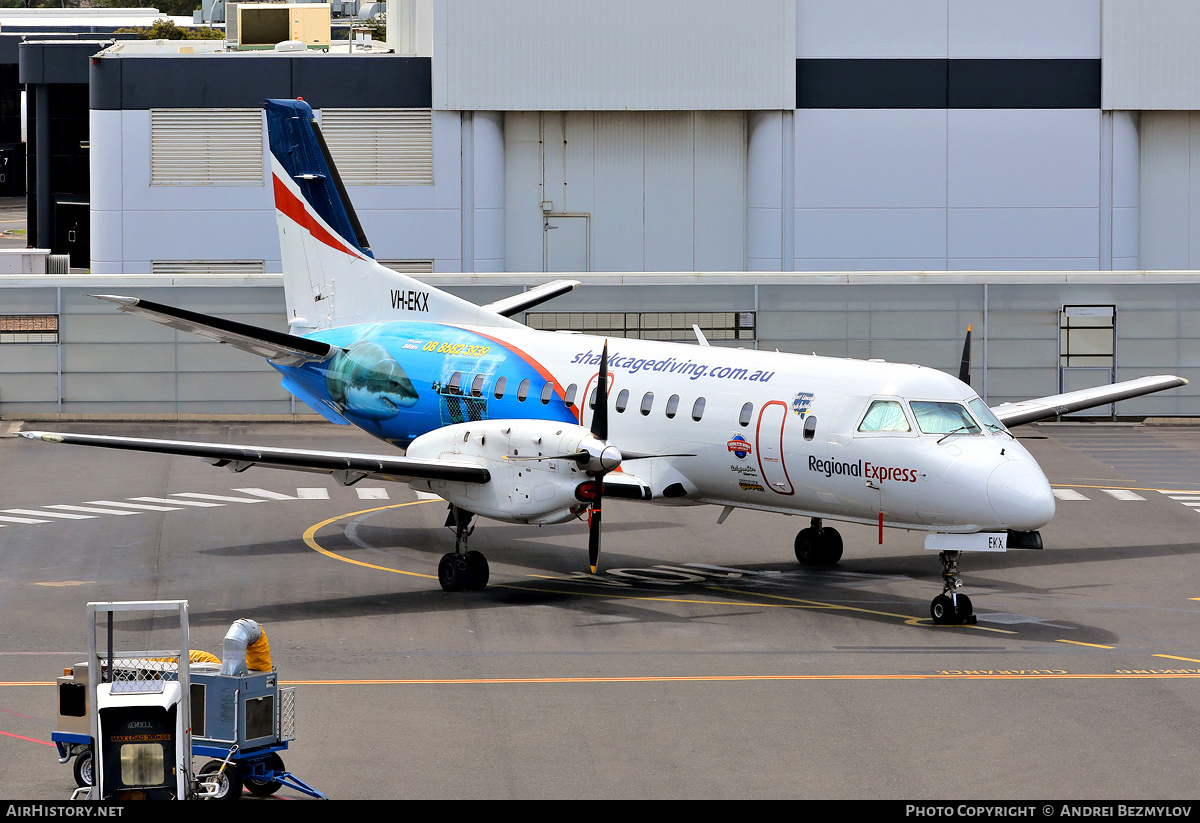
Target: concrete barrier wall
<point>109,363</point>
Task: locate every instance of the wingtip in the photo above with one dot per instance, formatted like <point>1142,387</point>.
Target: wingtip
<point>116,298</point>
<point>47,437</point>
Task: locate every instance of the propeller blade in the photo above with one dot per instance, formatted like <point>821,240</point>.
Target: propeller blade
<point>594,525</point>
<point>964,368</point>
<point>600,432</point>
<point>600,413</point>
<point>643,456</point>
<point>578,457</point>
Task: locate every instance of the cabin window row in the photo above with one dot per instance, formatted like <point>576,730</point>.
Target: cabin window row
<point>455,386</point>
<point>671,409</point>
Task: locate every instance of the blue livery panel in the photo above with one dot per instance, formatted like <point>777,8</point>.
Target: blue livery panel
<point>398,380</point>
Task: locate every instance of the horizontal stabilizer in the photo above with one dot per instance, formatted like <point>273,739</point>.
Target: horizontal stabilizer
<point>346,467</point>
<point>524,301</point>
<point>1041,408</point>
<point>280,347</point>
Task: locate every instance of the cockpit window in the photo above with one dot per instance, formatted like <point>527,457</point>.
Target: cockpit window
<point>984,415</point>
<point>884,416</point>
<point>943,418</point>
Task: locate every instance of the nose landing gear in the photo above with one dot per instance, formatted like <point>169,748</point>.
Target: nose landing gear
<point>951,608</point>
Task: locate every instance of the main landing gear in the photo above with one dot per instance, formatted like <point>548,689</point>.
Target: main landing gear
<point>818,545</point>
<point>951,608</point>
<point>462,570</point>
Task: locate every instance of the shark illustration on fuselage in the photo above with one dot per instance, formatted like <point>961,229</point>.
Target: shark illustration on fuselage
<point>367,382</point>
<point>528,426</point>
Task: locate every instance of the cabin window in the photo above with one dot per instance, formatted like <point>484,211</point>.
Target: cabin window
<point>569,397</point>
<point>746,414</point>
<point>647,402</point>
<point>477,386</point>
<point>501,382</point>
<point>592,397</point>
<point>698,409</point>
<point>943,418</point>
<point>547,392</point>
<point>810,427</point>
<point>622,401</point>
<point>672,405</point>
<point>885,416</point>
<point>454,386</point>
<point>523,390</point>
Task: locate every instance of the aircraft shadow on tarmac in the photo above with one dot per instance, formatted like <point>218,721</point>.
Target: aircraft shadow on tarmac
<point>851,591</point>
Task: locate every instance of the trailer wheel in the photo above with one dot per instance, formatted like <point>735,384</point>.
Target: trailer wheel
<point>264,788</point>
<point>83,768</point>
<point>229,785</point>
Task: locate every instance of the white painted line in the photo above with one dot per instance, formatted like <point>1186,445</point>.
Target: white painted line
<point>180,502</point>
<point>22,520</point>
<point>90,509</point>
<point>142,506</point>
<point>312,494</point>
<point>1068,494</point>
<point>371,494</point>
<point>1184,499</point>
<point>1122,494</point>
<point>62,515</point>
<point>270,495</point>
<point>1191,503</point>
<point>428,496</point>
<point>202,496</point>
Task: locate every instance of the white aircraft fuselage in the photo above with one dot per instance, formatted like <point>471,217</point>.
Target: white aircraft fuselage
<point>775,432</point>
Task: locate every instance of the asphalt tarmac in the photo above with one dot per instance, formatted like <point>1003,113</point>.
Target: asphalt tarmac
<point>702,662</point>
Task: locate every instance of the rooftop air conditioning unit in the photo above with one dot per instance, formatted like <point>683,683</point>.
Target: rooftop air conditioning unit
<point>263,25</point>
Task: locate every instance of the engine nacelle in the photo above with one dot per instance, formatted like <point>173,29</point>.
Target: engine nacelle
<point>522,489</point>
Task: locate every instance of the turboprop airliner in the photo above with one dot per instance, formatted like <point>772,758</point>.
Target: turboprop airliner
<point>526,426</point>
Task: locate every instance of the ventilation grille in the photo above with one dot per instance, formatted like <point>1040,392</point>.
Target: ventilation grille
<point>409,266</point>
<point>179,268</point>
<point>380,146</point>
<point>722,325</point>
<point>29,328</point>
<point>206,147</point>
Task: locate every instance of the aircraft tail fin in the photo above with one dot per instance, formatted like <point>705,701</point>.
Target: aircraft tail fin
<point>331,278</point>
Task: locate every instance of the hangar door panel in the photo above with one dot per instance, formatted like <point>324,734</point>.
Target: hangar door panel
<point>665,191</point>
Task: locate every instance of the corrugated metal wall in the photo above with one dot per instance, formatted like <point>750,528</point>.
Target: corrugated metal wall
<point>1170,189</point>
<point>1151,54</point>
<point>526,55</point>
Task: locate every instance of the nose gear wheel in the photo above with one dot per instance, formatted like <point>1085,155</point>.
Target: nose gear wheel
<point>951,608</point>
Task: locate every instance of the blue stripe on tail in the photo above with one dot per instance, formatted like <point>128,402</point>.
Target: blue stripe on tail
<point>297,144</point>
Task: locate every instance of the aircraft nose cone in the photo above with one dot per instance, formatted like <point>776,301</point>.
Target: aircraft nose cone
<point>1020,495</point>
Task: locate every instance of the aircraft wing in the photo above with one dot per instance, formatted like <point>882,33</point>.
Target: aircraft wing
<point>1040,408</point>
<point>535,296</point>
<point>283,348</point>
<point>346,467</point>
